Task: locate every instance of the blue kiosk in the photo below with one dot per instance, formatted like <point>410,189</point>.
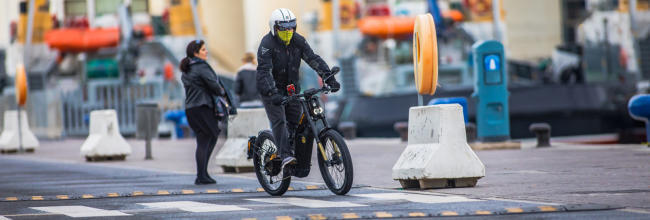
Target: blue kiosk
<point>491,92</point>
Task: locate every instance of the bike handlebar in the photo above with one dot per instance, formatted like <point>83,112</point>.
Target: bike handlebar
<point>310,92</point>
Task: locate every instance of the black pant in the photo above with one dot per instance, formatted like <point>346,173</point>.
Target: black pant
<point>204,123</point>
<point>284,120</point>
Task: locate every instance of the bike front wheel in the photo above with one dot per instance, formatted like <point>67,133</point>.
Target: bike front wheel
<point>337,169</point>
<point>267,169</point>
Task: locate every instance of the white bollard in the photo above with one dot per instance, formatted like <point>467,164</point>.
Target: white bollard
<point>9,139</point>
<point>104,139</point>
<point>437,154</point>
<point>247,122</point>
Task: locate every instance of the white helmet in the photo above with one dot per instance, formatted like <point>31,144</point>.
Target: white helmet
<point>282,18</point>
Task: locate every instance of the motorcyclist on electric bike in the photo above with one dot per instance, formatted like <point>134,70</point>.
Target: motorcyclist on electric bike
<point>279,56</point>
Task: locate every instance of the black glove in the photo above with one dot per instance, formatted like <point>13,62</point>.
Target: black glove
<point>277,99</point>
<point>334,85</point>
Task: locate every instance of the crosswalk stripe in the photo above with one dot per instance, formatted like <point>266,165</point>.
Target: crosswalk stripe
<point>309,203</point>
<point>80,211</point>
<point>420,198</point>
<point>194,206</point>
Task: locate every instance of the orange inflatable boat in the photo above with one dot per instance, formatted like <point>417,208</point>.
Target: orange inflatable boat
<point>83,40</point>
<point>384,26</point>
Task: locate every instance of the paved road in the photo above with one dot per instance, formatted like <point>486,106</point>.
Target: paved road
<point>64,190</point>
<point>595,176</point>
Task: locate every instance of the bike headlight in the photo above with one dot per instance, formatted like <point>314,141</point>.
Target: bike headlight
<point>318,111</point>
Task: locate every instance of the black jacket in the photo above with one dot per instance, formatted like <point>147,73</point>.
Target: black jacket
<point>201,85</point>
<point>245,85</point>
<point>278,64</point>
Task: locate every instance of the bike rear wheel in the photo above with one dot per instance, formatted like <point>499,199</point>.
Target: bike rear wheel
<point>337,170</point>
<point>266,169</point>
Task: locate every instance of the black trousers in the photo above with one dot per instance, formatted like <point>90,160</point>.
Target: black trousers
<point>204,123</point>
<point>284,120</point>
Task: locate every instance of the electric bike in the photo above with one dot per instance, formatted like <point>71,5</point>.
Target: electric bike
<point>334,159</point>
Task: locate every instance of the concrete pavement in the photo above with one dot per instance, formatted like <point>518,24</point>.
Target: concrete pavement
<point>562,174</point>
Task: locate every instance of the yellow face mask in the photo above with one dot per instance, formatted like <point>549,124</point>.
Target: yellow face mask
<point>285,36</point>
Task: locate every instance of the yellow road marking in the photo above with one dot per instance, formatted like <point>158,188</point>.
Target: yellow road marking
<point>187,191</point>
<point>283,218</point>
<point>515,210</point>
<point>383,215</point>
<point>350,215</point>
<point>163,192</point>
<point>87,196</point>
<point>481,212</point>
<point>237,190</point>
<point>11,199</point>
<point>34,214</point>
<point>62,197</point>
<point>449,213</point>
<point>316,217</point>
<point>37,197</point>
<point>547,208</point>
<point>260,189</point>
<point>212,191</point>
<point>417,214</point>
<point>137,193</point>
<point>112,195</point>
<point>312,187</point>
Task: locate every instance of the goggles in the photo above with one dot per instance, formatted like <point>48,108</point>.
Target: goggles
<point>286,25</point>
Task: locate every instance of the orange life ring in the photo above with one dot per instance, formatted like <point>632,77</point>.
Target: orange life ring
<point>425,55</point>
<point>21,85</point>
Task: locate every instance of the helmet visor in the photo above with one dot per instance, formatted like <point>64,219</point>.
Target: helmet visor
<point>286,25</point>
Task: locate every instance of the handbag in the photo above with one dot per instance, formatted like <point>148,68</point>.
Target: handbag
<point>221,108</point>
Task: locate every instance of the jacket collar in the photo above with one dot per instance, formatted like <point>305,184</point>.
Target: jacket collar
<point>195,60</point>
<point>247,66</point>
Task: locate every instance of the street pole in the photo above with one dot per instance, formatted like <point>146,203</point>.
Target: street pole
<point>26,59</point>
<point>28,37</point>
<point>496,16</point>
<point>336,24</point>
<point>20,130</point>
<point>195,17</point>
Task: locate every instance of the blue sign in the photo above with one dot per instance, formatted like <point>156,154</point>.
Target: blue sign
<point>492,62</point>
<point>491,91</point>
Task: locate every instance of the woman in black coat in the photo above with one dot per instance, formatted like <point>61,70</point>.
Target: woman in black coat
<point>202,86</point>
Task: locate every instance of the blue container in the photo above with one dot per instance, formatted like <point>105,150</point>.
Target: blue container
<point>491,91</point>
<point>462,101</point>
<point>639,109</point>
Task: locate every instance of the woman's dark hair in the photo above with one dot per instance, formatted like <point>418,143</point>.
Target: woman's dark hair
<point>193,47</point>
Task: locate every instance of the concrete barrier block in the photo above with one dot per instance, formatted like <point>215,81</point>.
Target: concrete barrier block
<point>437,154</point>
<point>9,139</point>
<point>104,138</point>
<point>247,122</point>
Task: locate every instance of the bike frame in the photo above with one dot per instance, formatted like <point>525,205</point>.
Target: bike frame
<point>304,103</point>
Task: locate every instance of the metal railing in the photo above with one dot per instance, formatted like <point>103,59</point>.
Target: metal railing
<point>106,94</point>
